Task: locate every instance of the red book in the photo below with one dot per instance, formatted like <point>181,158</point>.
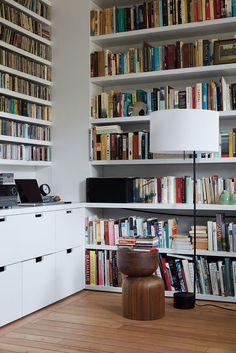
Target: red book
<point>87,267</point>
<point>179,190</point>
<point>159,190</point>
<point>166,274</point>
<point>185,51</point>
<point>135,145</point>
<point>207,9</point>
<point>194,97</point>
<point>216,9</point>
<point>170,57</point>
<point>195,10</point>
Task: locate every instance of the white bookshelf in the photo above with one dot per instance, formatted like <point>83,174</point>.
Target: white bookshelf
<point>25,32</point>
<point>25,53</point>
<point>146,80</point>
<point>25,119</point>
<point>10,164</point>
<point>165,33</point>
<point>29,12</point>
<point>21,74</point>
<point>166,75</point>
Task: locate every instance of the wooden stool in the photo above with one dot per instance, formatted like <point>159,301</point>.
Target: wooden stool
<point>143,298</point>
<point>142,293</point>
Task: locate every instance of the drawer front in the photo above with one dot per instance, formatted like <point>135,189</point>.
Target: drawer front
<point>10,293</point>
<point>69,228</point>
<point>69,272</point>
<point>38,283</point>
<point>25,236</point>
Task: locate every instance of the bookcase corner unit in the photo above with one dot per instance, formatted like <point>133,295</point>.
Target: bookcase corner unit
<point>179,78</point>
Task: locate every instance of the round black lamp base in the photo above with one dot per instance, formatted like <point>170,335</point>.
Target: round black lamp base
<point>184,300</point>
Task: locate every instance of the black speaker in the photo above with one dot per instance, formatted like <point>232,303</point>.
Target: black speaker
<point>109,190</point>
<point>184,300</point>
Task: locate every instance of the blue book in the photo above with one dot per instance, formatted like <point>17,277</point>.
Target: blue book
<point>204,96</point>
<point>122,63</point>
<point>234,236</point>
<point>149,102</point>
<point>135,60</point>
<point>234,8</point>
<point>155,58</point>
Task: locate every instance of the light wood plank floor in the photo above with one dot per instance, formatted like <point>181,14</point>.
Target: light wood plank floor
<point>92,322</point>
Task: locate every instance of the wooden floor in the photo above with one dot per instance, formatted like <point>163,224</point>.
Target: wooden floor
<point>92,322</point>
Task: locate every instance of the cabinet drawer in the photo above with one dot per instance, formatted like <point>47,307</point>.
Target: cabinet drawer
<point>10,293</point>
<point>69,228</point>
<point>69,272</point>
<point>26,236</point>
<point>38,283</point>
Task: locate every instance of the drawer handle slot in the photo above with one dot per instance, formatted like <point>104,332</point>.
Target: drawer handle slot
<point>39,259</point>
<point>68,211</point>
<point>3,219</point>
<point>38,215</point>
<point>69,251</point>
<point>2,269</point>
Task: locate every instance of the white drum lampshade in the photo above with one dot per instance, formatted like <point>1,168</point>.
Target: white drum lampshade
<point>178,130</point>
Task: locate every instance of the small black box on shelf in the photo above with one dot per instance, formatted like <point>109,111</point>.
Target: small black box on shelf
<point>109,190</point>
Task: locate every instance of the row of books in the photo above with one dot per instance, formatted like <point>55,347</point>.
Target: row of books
<point>101,268</point>
<point>37,6</point>
<point>20,41</point>
<point>119,146</point>
<point>153,58</point>
<point>24,108</point>
<point>216,277</point>
<point>203,95</point>
<point>217,235</point>
<point>29,131</point>
<point>21,19</point>
<point>157,13</point>
<point>24,152</point>
<point>21,63</point>
<point>23,86</point>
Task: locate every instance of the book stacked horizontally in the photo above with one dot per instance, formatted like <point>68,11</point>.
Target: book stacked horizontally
<point>201,237</point>
<point>181,242</point>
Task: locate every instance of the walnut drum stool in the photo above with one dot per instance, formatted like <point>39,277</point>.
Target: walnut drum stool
<point>142,293</point>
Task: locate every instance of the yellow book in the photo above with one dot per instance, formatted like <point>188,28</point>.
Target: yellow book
<point>93,267</point>
<point>98,232</point>
<point>231,136</point>
<point>104,147</point>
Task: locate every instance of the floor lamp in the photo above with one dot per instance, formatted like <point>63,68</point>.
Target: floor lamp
<point>191,131</point>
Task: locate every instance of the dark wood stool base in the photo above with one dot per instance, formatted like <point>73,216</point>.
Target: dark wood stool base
<point>143,298</point>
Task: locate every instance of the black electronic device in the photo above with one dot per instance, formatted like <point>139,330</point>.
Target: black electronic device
<point>44,189</point>
<point>8,195</point>
<point>109,190</point>
<point>28,191</point>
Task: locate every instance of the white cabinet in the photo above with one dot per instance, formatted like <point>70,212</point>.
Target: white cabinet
<point>38,283</point>
<point>69,272</point>
<point>69,228</point>
<point>10,293</point>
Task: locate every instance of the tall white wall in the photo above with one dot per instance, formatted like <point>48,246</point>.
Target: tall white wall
<point>70,98</point>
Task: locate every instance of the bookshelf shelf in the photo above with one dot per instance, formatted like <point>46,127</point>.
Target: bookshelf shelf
<point>104,288</point>
<point>165,33</point>
<point>25,119</point>
<point>149,206</point>
<point>12,162</point>
<point>48,2</point>
<point>25,53</point>
<point>166,75</point>
<point>29,12</point>
<point>10,93</point>
<point>224,160</point>
<point>146,119</point>
<point>168,251</point>
<point>25,32</point>
<point>25,76</point>
<point>24,141</point>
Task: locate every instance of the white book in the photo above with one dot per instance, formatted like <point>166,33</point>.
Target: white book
<point>213,275</point>
<point>210,235</point>
<point>214,237</point>
<point>187,275</point>
<point>221,277</point>
<point>234,275</point>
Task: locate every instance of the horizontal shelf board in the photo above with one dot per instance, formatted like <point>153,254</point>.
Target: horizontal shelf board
<point>165,161</point>
<point>156,206</point>
<point>167,32</point>
<point>207,297</point>
<point>126,120</point>
<point>25,76</point>
<point>169,251</point>
<point>159,76</point>
<point>47,2</point>
<point>8,92</point>
<point>11,162</point>
<point>25,53</point>
<point>25,32</point>
<point>25,119</point>
<point>24,141</point>
<point>100,247</point>
<point>104,288</point>
<point>29,12</point>
<point>146,119</point>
